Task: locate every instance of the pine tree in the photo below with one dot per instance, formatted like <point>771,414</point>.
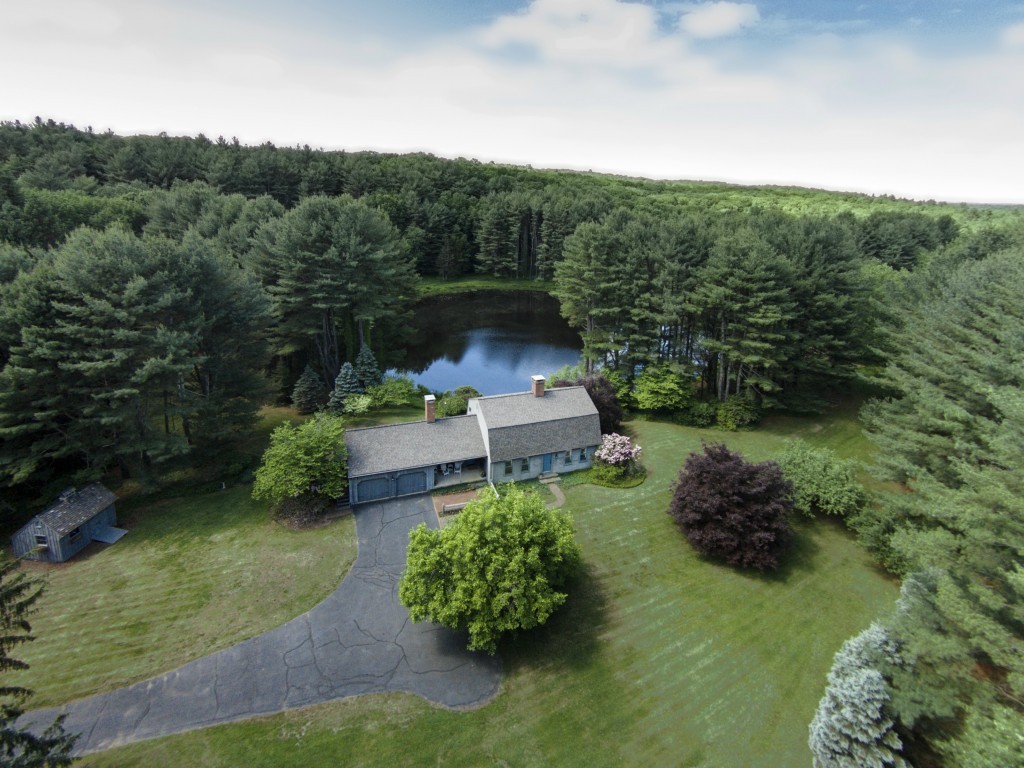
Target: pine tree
<point>308,394</point>
<point>345,384</point>
<point>955,438</point>
<point>51,748</point>
<point>367,370</point>
<point>853,727</point>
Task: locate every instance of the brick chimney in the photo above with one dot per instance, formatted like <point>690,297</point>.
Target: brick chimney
<point>429,404</point>
<point>537,386</point>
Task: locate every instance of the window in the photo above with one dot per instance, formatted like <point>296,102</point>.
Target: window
<point>525,465</point>
<point>568,457</point>
<point>583,454</point>
<point>508,467</point>
<point>76,535</point>
<point>41,540</point>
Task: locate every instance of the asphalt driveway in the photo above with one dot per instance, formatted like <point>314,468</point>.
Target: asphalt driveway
<point>359,640</point>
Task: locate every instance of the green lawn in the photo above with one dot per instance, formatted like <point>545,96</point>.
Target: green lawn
<point>658,658</point>
<point>432,286</point>
<point>192,576</point>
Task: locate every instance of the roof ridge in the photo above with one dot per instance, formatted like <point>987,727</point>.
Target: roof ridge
<point>415,421</point>
<point>527,392</point>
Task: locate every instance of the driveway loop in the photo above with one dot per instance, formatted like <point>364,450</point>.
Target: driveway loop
<point>359,640</point>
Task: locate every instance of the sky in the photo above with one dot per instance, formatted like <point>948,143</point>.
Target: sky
<point>915,98</point>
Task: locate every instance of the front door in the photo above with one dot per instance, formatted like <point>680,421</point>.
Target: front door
<point>547,462</point>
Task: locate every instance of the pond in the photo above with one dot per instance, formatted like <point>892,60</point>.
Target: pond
<point>491,340</point>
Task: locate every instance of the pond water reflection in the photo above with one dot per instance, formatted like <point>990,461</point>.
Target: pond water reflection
<point>491,340</point>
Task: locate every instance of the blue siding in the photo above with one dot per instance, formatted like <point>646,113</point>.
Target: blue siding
<point>535,465</point>
<point>59,548</point>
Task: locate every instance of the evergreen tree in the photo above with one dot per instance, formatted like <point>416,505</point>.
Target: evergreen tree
<point>127,350</point>
<point>347,383</point>
<point>308,394</point>
<point>854,727</point>
<point>743,294</point>
<point>363,275</point>
<point>367,370</point>
<point>18,745</point>
<point>955,437</point>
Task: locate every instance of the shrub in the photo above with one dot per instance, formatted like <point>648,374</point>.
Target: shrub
<point>357,405</point>
<point>393,390</point>
<point>736,412</point>
<point>822,482</point>
<point>734,510</point>
<point>611,476</point>
<point>451,405</point>
<point>617,450</point>
<point>661,388</point>
<point>699,415</point>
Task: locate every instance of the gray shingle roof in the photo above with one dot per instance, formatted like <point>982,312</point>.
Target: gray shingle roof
<point>416,444</point>
<point>523,408</point>
<point>522,425</point>
<point>77,508</point>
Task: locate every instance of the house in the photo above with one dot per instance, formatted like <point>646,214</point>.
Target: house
<point>67,526</point>
<point>501,438</point>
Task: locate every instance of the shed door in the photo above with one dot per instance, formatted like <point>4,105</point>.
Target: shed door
<point>412,482</point>
<point>374,488</point>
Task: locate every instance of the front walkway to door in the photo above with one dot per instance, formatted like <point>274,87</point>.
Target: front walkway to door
<point>359,640</point>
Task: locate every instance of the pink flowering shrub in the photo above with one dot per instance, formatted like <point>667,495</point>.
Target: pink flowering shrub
<point>617,450</point>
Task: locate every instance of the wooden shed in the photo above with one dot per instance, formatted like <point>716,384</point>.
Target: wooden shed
<point>69,525</point>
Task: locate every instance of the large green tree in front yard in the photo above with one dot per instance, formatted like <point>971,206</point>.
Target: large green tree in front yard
<point>304,460</point>
<point>499,567</point>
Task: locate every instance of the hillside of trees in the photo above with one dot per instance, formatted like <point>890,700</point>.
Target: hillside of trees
<point>155,291</point>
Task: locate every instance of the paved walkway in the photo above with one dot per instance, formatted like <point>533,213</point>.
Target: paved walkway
<point>359,640</point>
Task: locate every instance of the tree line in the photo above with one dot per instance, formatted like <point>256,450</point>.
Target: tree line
<point>155,290</point>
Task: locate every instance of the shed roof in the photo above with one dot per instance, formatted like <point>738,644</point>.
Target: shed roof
<point>521,424</point>
<point>395,447</point>
<point>75,508</point>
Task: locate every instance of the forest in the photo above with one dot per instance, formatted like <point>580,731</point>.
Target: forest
<point>155,291</point>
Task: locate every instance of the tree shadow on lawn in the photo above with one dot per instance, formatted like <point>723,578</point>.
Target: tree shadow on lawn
<point>570,638</point>
<point>797,560</point>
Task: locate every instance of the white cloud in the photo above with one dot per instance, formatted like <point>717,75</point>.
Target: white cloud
<point>81,16</point>
<point>607,33</point>
<point>1013,36</point>
<point>710,20</point>
<point>603,87</point>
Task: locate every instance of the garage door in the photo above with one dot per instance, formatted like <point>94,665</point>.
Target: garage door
<point>412,482</point>
<point>374,488</point>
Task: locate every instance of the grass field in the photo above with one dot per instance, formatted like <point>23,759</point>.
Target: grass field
<point>196,573</point>
<point>658,658</point>
<point>432,286</point>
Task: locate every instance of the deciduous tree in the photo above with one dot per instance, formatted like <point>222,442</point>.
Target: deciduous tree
<point>499,567</point>
<point>307,459</point>
<point>733,510</point>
